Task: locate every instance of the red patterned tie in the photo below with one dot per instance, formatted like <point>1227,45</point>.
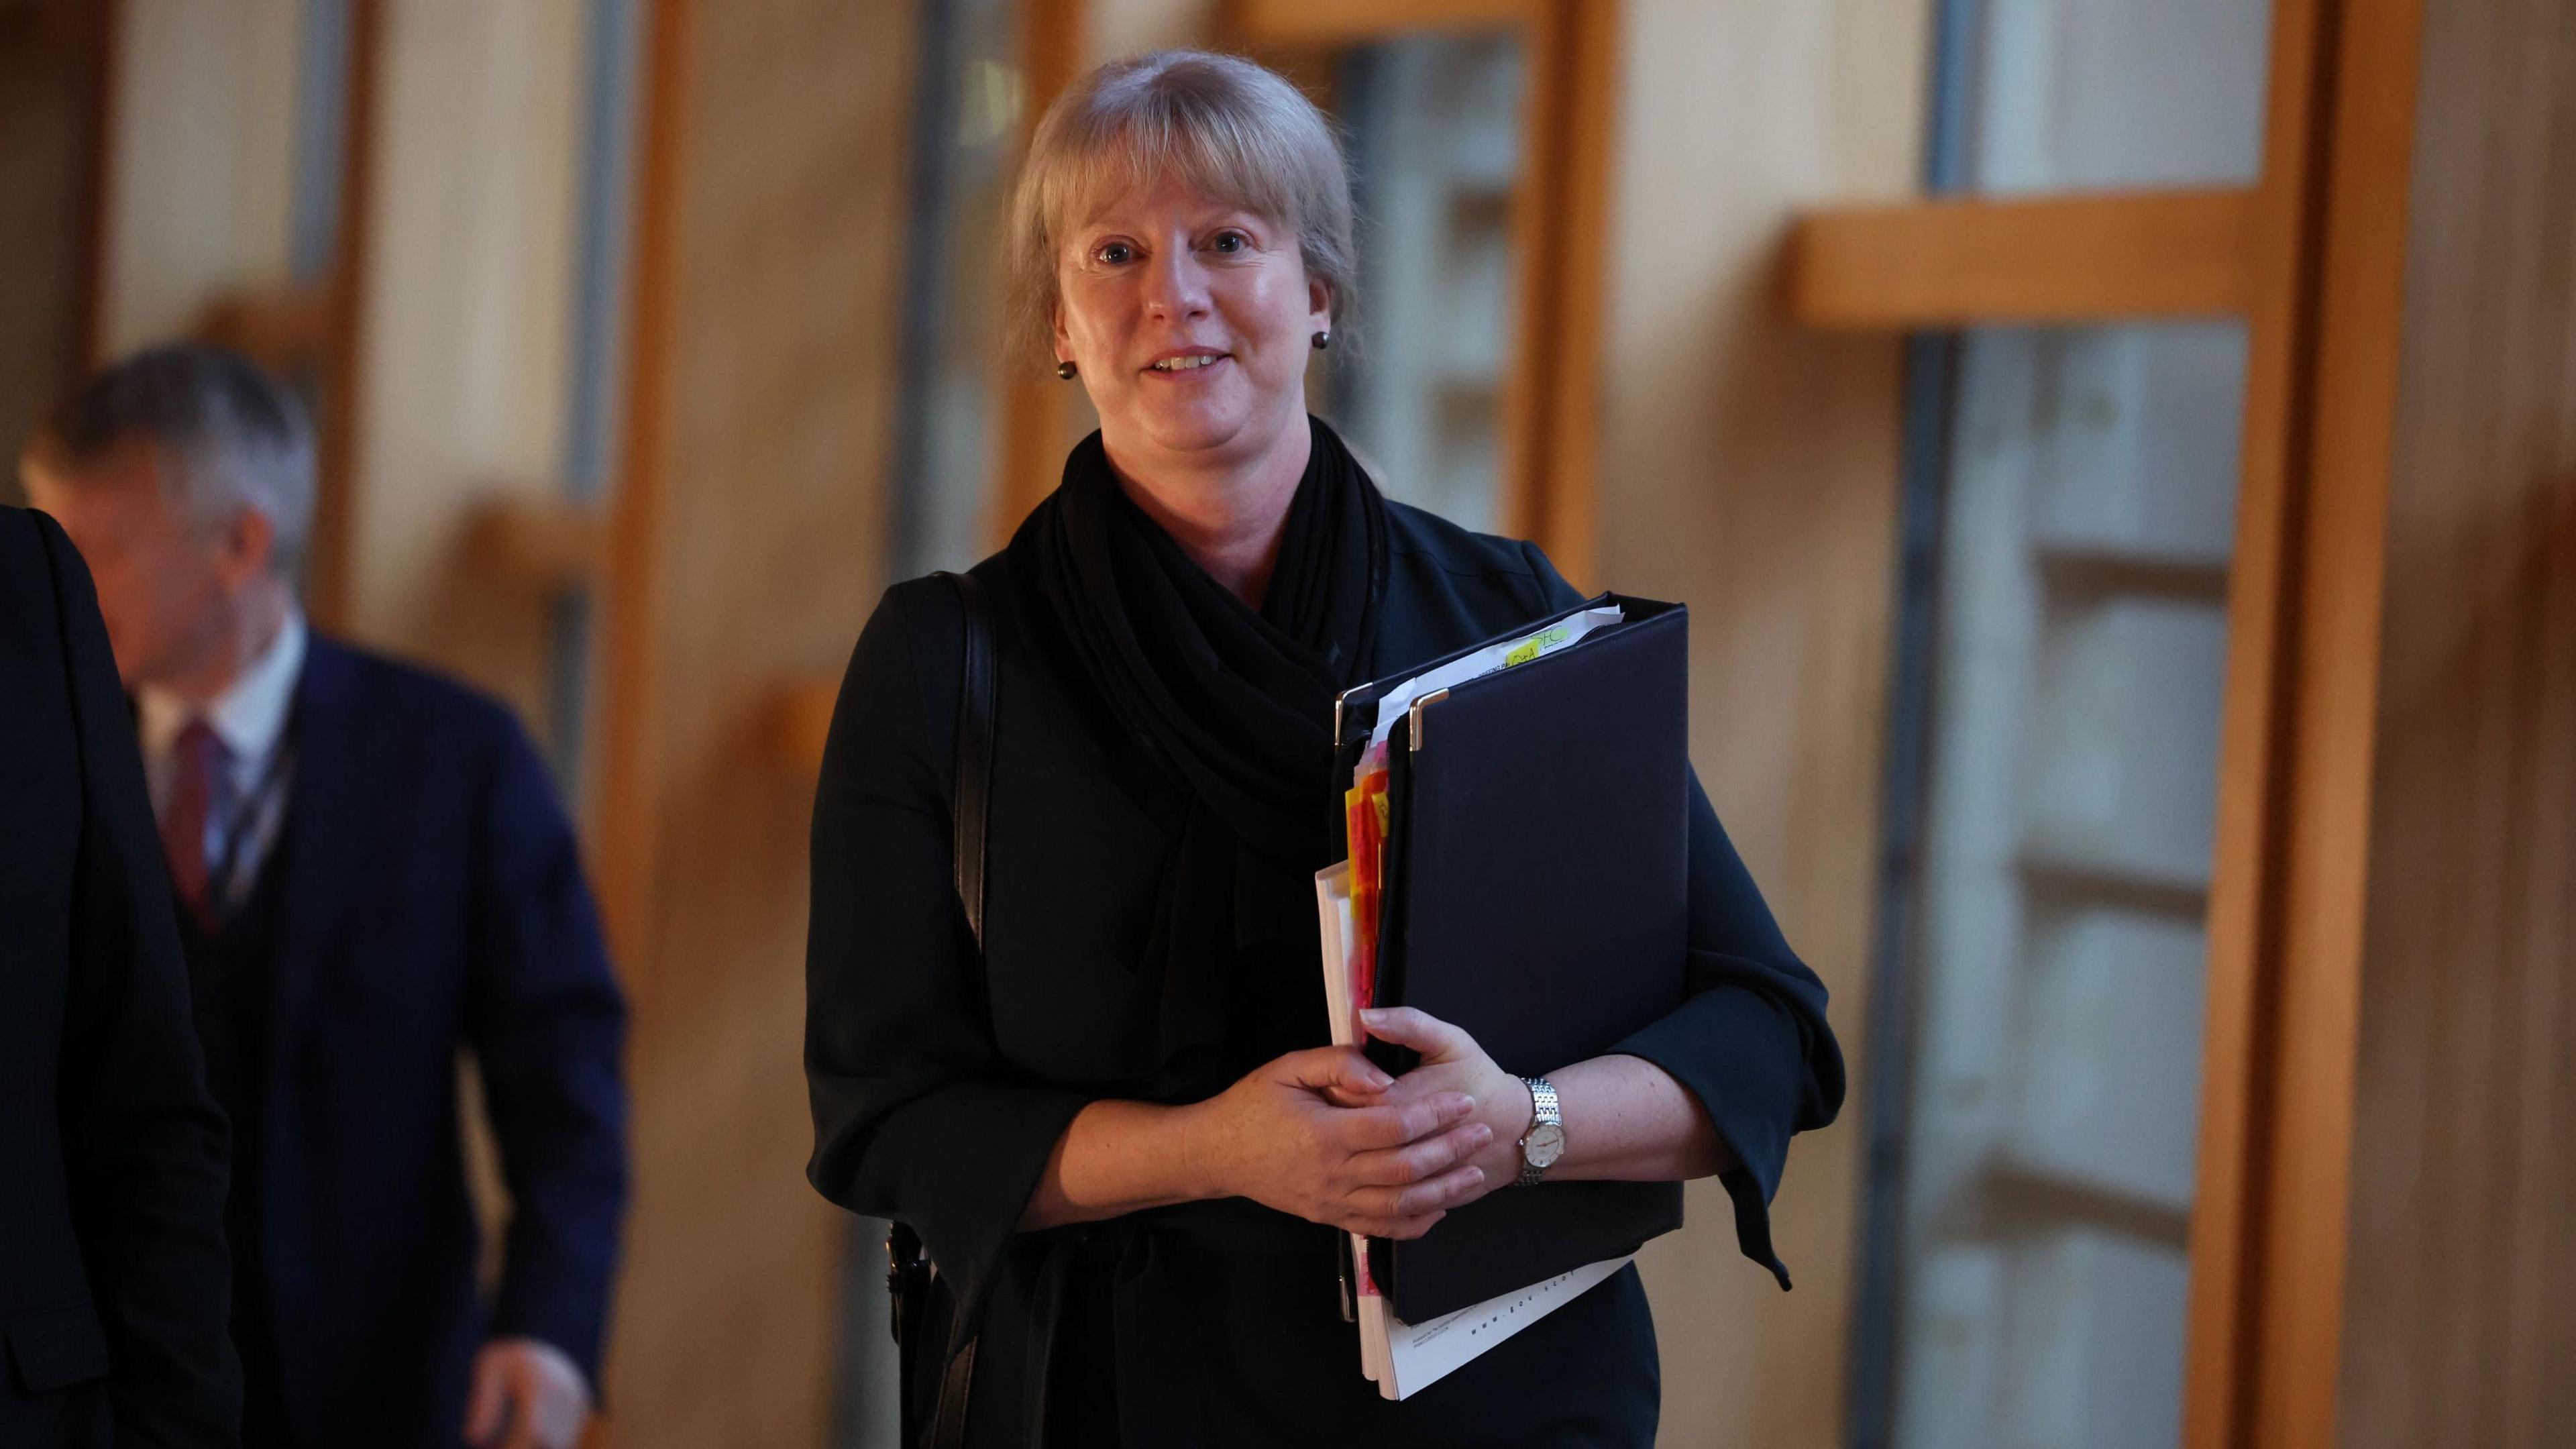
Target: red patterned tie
<point>200,759</point>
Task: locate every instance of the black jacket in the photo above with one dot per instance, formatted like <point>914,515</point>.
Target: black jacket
<point>433,902</point>
<point>940,1086</point>
<point>114,1283</point>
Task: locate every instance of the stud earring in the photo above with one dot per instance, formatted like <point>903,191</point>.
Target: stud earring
<point>1323,340</point>
<point>1066,369</point>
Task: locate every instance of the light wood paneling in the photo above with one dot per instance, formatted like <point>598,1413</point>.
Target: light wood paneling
<point>800,718</point>
<point>281,329</point>
<point>199,197</point>
<point>1359,22</point>
<point>54,114</point>
<point>2067,259</point>
<point>548,546</point>
<point>1037,407</point>
<point>466,360</point>
<point>623,821</point>
<point>749,541</point>
<point>1559,219</point>
<point>1751,469</point>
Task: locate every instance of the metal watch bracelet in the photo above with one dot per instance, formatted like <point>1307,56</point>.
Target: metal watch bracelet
<point>1544,1143</point>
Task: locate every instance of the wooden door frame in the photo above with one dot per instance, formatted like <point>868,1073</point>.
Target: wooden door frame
<point>110,20</point>
<point>2312,259</point>
<point>1031,458</point>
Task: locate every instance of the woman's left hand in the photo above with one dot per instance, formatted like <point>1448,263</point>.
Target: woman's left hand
<point>1452,1062</point>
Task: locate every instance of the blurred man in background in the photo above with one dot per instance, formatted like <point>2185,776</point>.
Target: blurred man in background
<point>372,873</point>
<point>112,1269</point>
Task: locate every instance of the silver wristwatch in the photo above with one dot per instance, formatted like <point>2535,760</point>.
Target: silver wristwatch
<point>1544,1143</point>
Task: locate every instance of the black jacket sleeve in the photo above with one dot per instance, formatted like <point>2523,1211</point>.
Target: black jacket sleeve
<point>1750,1039</point>
<point>548,1026</point>
<point>144,1144</point>
<point>915,1119</point>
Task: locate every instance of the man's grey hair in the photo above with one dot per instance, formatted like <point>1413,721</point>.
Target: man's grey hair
<point>230,437</point>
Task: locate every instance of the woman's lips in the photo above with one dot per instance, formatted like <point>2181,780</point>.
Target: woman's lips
<point>1187,365</point>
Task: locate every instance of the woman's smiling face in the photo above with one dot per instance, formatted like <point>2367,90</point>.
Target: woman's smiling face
<point>1191,321</point>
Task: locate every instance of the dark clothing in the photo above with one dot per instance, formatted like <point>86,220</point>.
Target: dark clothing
<point>1232,711</point>
<point>113,1275</point>
<point>940,1086</point>
<point>231,971</point>
<point>428,899</point>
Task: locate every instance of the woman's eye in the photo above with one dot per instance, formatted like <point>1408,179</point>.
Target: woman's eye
<point>1115,253</point>
<point>1231,241</point>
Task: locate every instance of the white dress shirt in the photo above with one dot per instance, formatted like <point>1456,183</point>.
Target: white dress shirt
<point>250,717</point>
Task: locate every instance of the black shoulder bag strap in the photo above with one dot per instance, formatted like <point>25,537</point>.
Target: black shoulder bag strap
<point>908,1270</point>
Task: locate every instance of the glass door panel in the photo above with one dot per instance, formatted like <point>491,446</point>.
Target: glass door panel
<point>2080,95</point>
<point>1434,130</point>
<point>2071,780</point>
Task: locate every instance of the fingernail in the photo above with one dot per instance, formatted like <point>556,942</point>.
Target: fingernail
<point>1480,1134</point>
<point>1461,1104</point>
<point>1380,1080</point>
<point>1372,1014</point>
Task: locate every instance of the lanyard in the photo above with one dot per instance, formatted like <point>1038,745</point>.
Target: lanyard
<point>257,805</point>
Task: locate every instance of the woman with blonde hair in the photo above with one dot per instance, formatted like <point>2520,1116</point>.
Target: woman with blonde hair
<point>1117,1126</point>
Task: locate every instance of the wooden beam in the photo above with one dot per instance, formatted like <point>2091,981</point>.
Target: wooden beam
<point>544,544</point>
<point>336,438</point>
<point>2255,745</point>
<point>800,719</point>
<point>2296,760</point>
<point>1032,454</point>
<point>2349,435</point>
<point>1562,495</point>
<point>624,808</point>
<point>282,330</point>
<point>106,42</point>
<point>1939,264</point>
<point>1362,22</point>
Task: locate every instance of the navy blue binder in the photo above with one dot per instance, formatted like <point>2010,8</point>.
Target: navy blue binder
<point>1535,894</point>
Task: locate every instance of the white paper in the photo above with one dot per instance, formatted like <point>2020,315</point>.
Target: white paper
<point>1421,1354</point>
<point>1341,936</point>
<point>1392,705</point>
<point>1340,932</point>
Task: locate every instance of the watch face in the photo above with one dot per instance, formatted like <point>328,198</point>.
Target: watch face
<point>1546,1145</point>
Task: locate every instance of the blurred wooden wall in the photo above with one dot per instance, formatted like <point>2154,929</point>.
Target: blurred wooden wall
<point>465,330</point>
<point>1751,469</point>
<point>53,82</point>
<point>748,543</point>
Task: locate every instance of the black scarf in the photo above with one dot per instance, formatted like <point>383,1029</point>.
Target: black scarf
<point>1233,709</point>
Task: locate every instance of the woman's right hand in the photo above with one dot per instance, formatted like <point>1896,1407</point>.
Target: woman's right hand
<point>1312,1134</point>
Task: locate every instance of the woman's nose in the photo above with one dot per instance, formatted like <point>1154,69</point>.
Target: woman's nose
<point>1176,284</point>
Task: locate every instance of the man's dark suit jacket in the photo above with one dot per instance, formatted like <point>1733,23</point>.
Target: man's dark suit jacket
<point>114,1283</point>
<point>432,902</point>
